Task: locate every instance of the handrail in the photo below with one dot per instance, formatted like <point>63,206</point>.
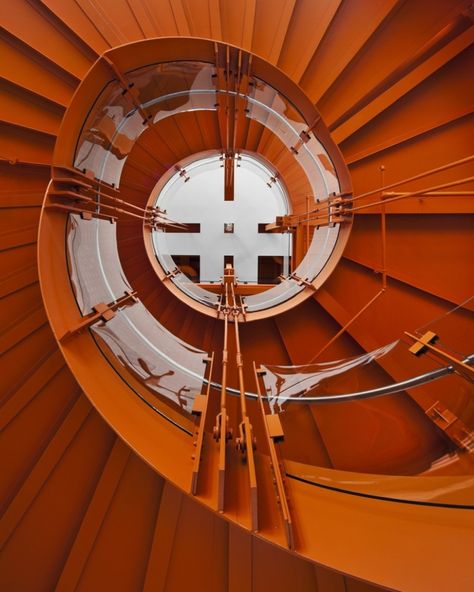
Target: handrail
<point>390,389</point>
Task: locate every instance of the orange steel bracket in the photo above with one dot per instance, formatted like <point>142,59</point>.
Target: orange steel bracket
<point>73,191</point>
<point>439,414</point>
<point>425,342</point>
<point>199,409</point>
<point>274,433</point>
<point>102,312</point>
<point>85,214</point>
<point>245,442</point>
<point>453,427</point>
<point>229,177</point>
<point>221,432</point>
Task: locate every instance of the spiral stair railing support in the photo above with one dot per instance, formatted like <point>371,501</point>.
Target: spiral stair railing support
<point>155,433</point>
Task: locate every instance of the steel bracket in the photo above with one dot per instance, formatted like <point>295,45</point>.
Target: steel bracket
<point>102,312</point>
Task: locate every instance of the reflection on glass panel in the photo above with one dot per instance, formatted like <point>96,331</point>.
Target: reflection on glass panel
<point>170,88</point>
<point>285,290</point>
<point>188,287</point>
<point>161,362</point>
<point>382,421</point>
<point>321,183</point>
<point>163,247</point>
<point>343,377</point>
<point>95,269</point>
<point>265,94</point>
<point>319,154</point>
<point>171,79</point>
<point>322,244</point>
<point>115,122</point>
<point>275,112</point>
<point>103,144</point>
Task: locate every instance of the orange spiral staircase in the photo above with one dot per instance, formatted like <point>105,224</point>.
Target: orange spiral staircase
<point>88,501</point>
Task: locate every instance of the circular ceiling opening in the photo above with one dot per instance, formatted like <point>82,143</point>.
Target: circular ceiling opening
<point>220,229</point>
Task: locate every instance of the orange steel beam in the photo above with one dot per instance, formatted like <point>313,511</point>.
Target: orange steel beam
<point>246,441</point>
<point>345,128</point>
<point>80,198</point>
<point>85,214</point>
<point>45,465</point>
<point>221,431</point>
<point>200,407</point>
<point>103,312</point>
<point>79,186</point>
<point>221,98</point>
<point>229,177</point>
<point>274,433</point>
<point>230,108</point>
<point>94,517</point>
<point>225,60</point>
<point>240,289</point>
<point>233,78</point>
<point>238,78</point>
<point>242,123</point>
<point>100,186</point>
<point>15,161</point>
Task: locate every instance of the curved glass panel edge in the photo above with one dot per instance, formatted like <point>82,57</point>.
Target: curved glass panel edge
<point>164,371</point>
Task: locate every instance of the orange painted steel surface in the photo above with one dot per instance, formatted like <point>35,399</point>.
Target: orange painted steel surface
<point>391,82</point>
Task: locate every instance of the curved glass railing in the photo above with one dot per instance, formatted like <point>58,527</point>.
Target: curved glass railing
<point>373,419</point>
<point>154,358</point>
<point>94,266</point>
<point>356,424</point>
<point>351,378</point>
<point>200,294</point>
<point>164,90</point>
<point>164,371</point>
<point>286,289</point>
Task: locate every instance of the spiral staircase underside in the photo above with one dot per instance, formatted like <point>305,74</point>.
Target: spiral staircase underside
<point>80,510</point>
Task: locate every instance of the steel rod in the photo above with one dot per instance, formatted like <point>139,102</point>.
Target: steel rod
<point>348,324</point>
<point>327,206</point>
